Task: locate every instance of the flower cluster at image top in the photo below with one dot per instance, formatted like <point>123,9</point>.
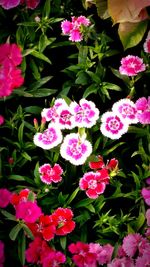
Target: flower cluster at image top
<point>63,215</point>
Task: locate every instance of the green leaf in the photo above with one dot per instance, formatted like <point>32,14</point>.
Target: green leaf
<point>41,82</point>
<point>82,78</point>
<point>40,56</point>
<point>63,242</point>
<point>90,207</point>
<point>84,203</point>
<point>42,92</point>
<point>20,132</point>
<point>14,231</point>
<point>28,231</point>
<point>73,195</point>
<point>102,8</point>
<point>92,89</point>
<point>139,222</point>
<point>8,215</point>
<point>16,177</point>
<point>111,86</point>
<point>33,109</point>
<point>47,8</point>
<point>22,248</point>
<point>26,156</point>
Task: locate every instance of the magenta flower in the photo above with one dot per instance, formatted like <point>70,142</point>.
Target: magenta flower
<point>146,195</point>
<point>148,217</point>
<point>31,4</point>
<point>54,258</point>
<point>131,65</point>
<point>5,196</point>
<point>51,114</point>
<point>146,45</point>
<point>8,4</point>
<point>143,110</point>
<point>93,184</point>
<point>50,174</point>
<point>144,260</point>
<point>66,26</point>
<point>113,126</point>
<point>1,119</point>
<point>75,149</point>
<point>2,255</point>
<point>125,261</point>
<point>50,138</point>
<point>76,35</point>
<point>11,52</point>
<point>81,20</point>
<point>28,211</point>
<point>85,114</point>
<point>126,109</point>
<point>104,253</point>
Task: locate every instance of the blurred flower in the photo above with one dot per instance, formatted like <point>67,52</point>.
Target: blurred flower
<point>2,255</point>
<point>144,260</point>
<point>85,114</point>
<point>146,195</point>
<point>131,65</point>
<point>5,196</point>
<point>50,138</point>
<point>113,125</point>
<point>93,183</point>
<point>103,253</point>
<point>62,218</point>
<point>54,258</point>
<point>28,211</point>
<point>125,261</point>
<point>148,217</point>
<point>148,180</point>
<point>8,4</point>
<point>75,149</point>
<point>1,119</point>
<point>50,174</point>
<point>126,109</point>
<point>143,110</point>
<point>146,45</point>
<point>31,4</point>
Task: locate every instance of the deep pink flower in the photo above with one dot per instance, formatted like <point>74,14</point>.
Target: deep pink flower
<point>104,253</point>
<point>54,258</point>
<point>2,254</point>
<point>50,174</point>
<point>148,217</point>
<point>93,183</point>
<point>1,119</point>
<point>75,149</point>
<point>146,195</point>
<point>11,52</point>
<point>8,4</point>
<point>28,211</point>
<point>62,218</point>
<point>81,20</point>
<point>131,65</point>
<point>146,45</point>
<point>66,26</point>
<point>76,35</point>
<point>31,4</point>
<point>113,126</point>
<point>143,110</point>
<point>5,196</point>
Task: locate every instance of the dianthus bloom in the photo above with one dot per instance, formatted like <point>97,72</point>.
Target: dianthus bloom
<point>148,217</point>
<point>5,196</point>
<point>54,258</point>
<point>22,196</point>
<point>74,28</point>
<point>50,138</point>
<point>103,253</point>
<point>131,65</point>
<point>2,255</point>
<point>146,45</point>
<point>125,261</point>
<point>146,195</point>
<point>8,4</point>
<point>126,109</point>
<point>94,183</point>
<point>28,211</point>
<point>50,174</point>
<point>85,114</point>
<point>75,149</point>
<point>143,110</point>
<point>113,126</point>
<point>31,4</point>
<point>62,217</point>
<point>1,119</point>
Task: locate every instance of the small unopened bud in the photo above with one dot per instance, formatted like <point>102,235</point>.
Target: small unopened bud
<point>10,160</point>
<point>35,123</point>
<point>43,121</point>
<point>37,19</point>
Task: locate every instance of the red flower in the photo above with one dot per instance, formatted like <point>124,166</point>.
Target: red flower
<point>62,217</point>
<point>111,166</point>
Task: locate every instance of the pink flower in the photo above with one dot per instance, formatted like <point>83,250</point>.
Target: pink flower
<point>134,243</point>
<point>22,196</point>
<point>62,218</point>
<point>126,109</point>
<point>85,114</point>
<point>126,262</point>
<point>148,217</point>
<point>144,260</point>
<point>51,114</point>
<point>28,211</point>
<point>146,45</point>
<point>2,255</point>
<point>54,258</point>
<point>81,20</point>
<point>104,253</point>
<point>76,35</point>
<point>131,65</point>
<point>11,52</point>
<point>75,149</point>
<point>93,183</point>
<point>50,138</point>
<point>5,196</point>
<point>146,195</point>
<point>66,26</point>
<point>8,4</point>
<point>83,256</point>
<point>50,174</point>
<point>143,110</point>
<point>1,119</point>
<point>113,126</point>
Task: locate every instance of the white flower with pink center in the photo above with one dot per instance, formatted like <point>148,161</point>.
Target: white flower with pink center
<point>113,126</point>
<point>51,114</point>
<point>50,174</point>
<point>146,45</point>
<point>92,184</point>
<point>131,65</point>
<point>75,149</point>
<point>50,138</point>
<point>85,114</point>
<point>126,109</point>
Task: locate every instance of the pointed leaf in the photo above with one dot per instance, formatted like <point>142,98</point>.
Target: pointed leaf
<point>14,231</point>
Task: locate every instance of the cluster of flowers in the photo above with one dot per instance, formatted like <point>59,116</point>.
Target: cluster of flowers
<point>10,75</point>
<point>8,4</point>
<point>75,28</point>
<point>124,112</point>
<point>74,148</point>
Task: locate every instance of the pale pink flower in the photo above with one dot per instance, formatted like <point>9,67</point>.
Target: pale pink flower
<point>81,20</point>
<point>85,114</point>
<point>8,4</point>
<point>113,126</point>
<point>2,255</point>
<point>50,138</point>
<point>104,253</point>
<point>1,119</point>
<point>123,262</point>
<point>126,109</point>
<point>50,174</point>
<point>146,195</point>
<point>148,217</point>
<point>143,261</point>
<point>28,211</point>
<point>143,110</point>
<point>146,45</point>
<point>5,196</point>
<point>92,183</point>
<point>66,26</point>
<point>131,65</point>
<point>75,149</point>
